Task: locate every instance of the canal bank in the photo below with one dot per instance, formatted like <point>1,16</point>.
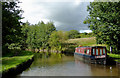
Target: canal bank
<point>18,69</point>
<point>14,65</point>
<point>115,57</point>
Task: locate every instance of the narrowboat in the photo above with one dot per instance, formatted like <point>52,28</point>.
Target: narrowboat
<point>91,54</point>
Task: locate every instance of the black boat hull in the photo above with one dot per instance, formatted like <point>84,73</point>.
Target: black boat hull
<point>90,59</point>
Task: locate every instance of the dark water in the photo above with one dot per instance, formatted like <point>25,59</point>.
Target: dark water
<point>61,65</point>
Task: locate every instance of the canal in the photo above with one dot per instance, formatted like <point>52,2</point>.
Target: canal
<point>45,64</point>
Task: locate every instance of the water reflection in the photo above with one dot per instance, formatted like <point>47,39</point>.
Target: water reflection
<point>99,70</point>
<point>46,64</point>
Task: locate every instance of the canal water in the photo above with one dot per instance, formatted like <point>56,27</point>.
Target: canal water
<point>61,65</point>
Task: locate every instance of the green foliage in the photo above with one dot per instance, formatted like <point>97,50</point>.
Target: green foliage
<point>73,34</point>
<point>11,29</point>
<point>25,29</point>
<point>57,40</point>
<point>103,20</point>
<point>36,36</point>
<point>46,32</point>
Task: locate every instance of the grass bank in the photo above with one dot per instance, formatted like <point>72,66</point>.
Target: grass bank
<point>13,61</point>
<point>83,41</point>
<point>91,41</point>
<point>115,56</point>
<point>86,35</point>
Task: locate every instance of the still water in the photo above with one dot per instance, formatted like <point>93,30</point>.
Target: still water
<point>61,65</point>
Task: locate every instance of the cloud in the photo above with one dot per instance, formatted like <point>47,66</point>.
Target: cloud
<point>87,31</point>
<point>66,15</point>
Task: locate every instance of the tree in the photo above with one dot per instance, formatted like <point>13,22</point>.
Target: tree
<point>25,29</point>
<point>32,37</point>
<point>73,34</point>
<point>104,21</point>
<point>38,35</point>
<point>46,30</point>
<point>11,29</point>
<point>57,39</point>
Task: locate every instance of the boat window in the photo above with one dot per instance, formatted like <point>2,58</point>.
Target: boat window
<point>103,50</point>
<point>100,51</point>
<point>93,51</point>
<point>79,50</point>
<point>87,51</point>
<point>96,51</point>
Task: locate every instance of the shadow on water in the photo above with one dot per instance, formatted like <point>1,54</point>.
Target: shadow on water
<point>57,64</point>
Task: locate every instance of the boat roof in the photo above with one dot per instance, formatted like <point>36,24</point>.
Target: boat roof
<point>92,47</point>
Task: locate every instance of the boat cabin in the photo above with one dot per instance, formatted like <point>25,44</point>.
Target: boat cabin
<point>93,51</point>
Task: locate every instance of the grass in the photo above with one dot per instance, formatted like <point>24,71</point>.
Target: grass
<point>87,35</point>
<point>115,56</point>
<point>12,62</point>
<point>91,41</point>
<point>117,60</point>
<point>83,41</point>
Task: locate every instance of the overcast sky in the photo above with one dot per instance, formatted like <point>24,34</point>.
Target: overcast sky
<point>66,14</point>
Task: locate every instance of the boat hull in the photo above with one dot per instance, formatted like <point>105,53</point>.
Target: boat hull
<point>90,59</point>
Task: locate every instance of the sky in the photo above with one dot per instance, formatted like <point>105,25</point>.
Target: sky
<point>66,14</point>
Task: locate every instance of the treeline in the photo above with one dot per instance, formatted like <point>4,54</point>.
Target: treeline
<point>17,35</point>
<point>43,36</point>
